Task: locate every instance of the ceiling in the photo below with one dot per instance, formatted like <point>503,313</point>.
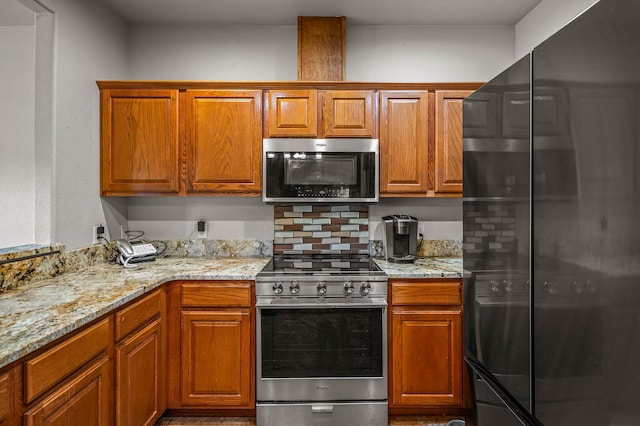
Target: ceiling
<point>358,12</point>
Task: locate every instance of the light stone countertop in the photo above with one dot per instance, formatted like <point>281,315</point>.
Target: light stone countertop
<point>43,311</point>
<point>39,313</point>
<point>425,267</point>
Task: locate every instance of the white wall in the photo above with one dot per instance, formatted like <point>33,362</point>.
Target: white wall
<point>544,20</point>
<point>374,53</point>
<point>434,53</point>
<point>90,44</point>
<point>17,146</point>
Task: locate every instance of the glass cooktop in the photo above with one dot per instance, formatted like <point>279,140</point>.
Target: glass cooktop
<point>322,265</point>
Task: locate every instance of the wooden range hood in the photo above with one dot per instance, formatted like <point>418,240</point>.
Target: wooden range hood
<point>321,48</point>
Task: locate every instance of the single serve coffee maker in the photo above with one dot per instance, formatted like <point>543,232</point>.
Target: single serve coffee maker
<point>400,238</point>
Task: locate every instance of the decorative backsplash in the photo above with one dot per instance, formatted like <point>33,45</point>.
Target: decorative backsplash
<point>298,229</point>
<point>321,229</point>
<point>489,227</point>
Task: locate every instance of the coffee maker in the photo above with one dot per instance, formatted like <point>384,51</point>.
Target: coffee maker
<point>399,237</point>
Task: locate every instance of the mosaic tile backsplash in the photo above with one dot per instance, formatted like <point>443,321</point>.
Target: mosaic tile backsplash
<point>489,227</point>
<point>321,229</point>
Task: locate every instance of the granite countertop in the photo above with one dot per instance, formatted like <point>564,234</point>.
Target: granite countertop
<point>425,267</point>
<point>40,312</point>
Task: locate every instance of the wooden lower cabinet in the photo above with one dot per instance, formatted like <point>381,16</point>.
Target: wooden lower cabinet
<point>141,361</point>
<point>11,396</point>
<point>5,402</point>
<point>140,377</point>
<point>425,341</point>
<point>216,358</point>
<point>211,333</point>
<point>84,400</point>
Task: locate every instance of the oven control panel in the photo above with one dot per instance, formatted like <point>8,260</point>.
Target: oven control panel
<point>345,288</point>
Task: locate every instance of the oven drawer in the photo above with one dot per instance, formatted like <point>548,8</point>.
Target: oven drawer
<point>426,292</point>
<point>217,293</point>
<point>370,413</point>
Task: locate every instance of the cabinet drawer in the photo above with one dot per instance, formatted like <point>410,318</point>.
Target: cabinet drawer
<point>426,293</point>
<point>54,365</point>
<point>137,314</point>
<point>226,293</point>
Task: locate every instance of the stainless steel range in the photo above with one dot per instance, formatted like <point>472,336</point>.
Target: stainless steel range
<point>321,342</point>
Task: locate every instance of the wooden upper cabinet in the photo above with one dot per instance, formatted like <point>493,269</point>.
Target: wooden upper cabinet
<point>292,113</point>
<point>404,143</point>
<point>348,113</point>
<point>321,113</point>
<point>224,144</point>
<point>139,142</point>
<point>448,141</point>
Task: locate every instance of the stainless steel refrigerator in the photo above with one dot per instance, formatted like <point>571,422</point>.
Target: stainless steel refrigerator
<point>552,229</point>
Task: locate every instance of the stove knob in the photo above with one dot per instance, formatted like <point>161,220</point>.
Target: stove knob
<point>365,288</point>
<point>348,288</point>
<point>277,288</point>
<point>495,286</point>
<point>508,287</point>
<point>322,288</point>
<point>294,287</point>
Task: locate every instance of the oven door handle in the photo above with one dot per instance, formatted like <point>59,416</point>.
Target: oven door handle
<point>372,303</point>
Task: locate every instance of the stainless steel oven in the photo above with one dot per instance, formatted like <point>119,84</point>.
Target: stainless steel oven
<point>321,338</point>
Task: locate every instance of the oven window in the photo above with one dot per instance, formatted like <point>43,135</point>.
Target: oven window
<point>321,342</point>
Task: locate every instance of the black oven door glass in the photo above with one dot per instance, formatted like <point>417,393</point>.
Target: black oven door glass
<point>321,175</point>
<point>339,342</point>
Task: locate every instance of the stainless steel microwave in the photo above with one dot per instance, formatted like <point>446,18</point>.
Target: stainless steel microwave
<point>320,170</point>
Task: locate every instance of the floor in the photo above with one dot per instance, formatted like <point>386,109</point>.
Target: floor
<point>244,421</point>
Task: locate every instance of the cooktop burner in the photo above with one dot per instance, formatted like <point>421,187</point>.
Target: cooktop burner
<point>322,265</point>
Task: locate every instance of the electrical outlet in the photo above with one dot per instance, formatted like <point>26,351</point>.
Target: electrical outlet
<point>98,231</point>
<point>201,228</point>
<point>421,228</point>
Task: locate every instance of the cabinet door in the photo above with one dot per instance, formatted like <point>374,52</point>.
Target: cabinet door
<point>348,113</point>
<point>448,159</point>
<point>404,143</point>
<point>224,143</point>
<point>292,113</point>
<point>139,142</point>
<point>141,377</point>
<point>426,357</point>
<point>85,400</point>
<point>216,359</point>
